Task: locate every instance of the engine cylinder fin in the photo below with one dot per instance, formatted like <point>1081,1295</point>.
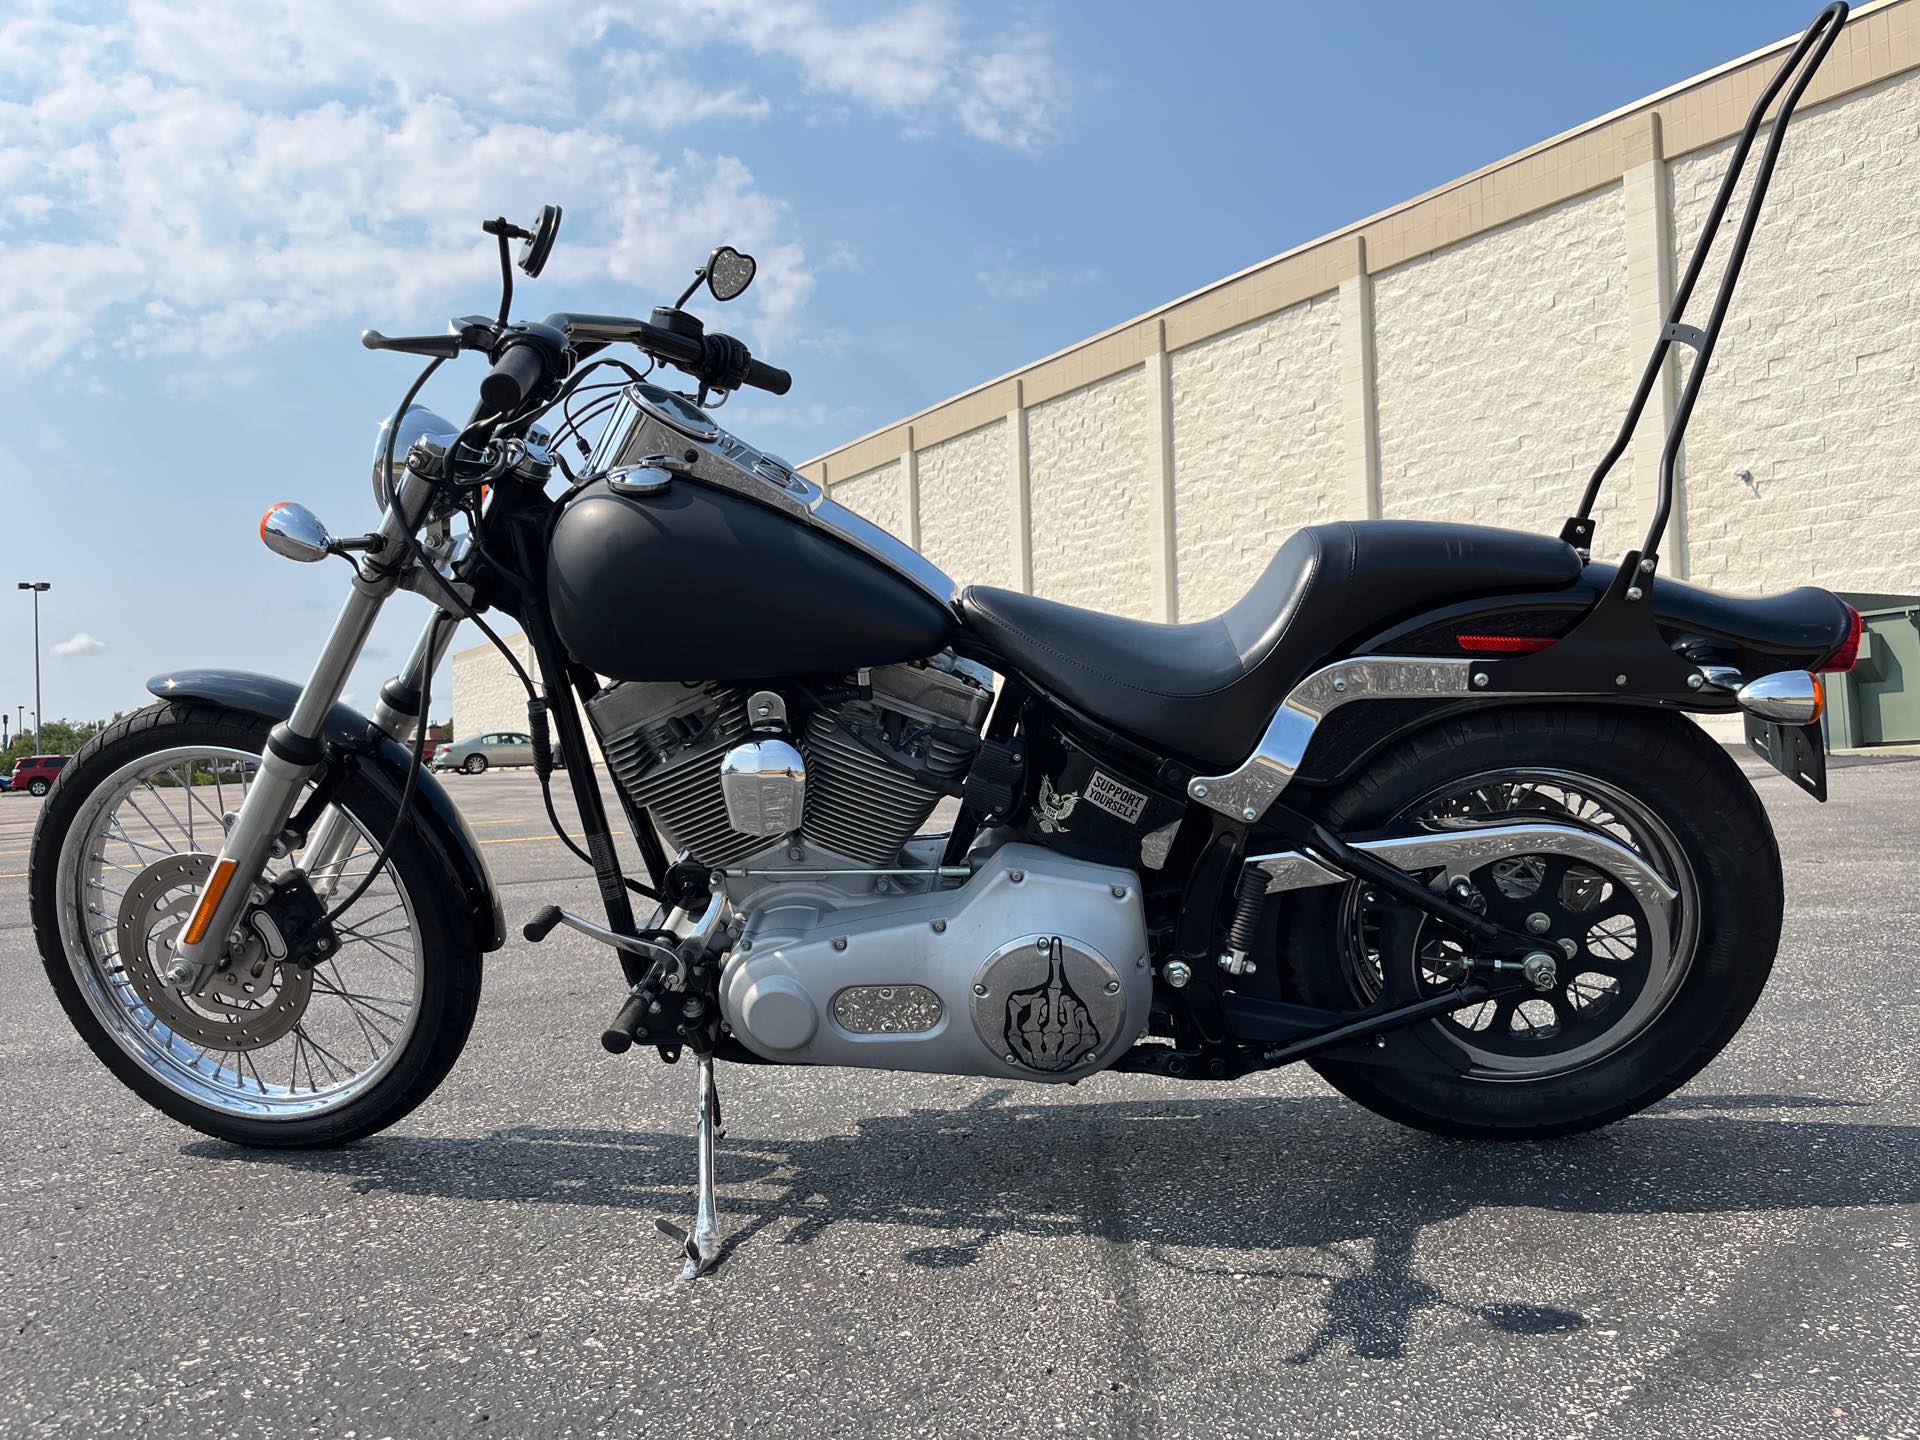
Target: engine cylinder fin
<point>681,789</point>
<point>859,803</point>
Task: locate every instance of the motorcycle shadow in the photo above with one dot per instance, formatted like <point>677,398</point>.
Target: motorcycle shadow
<point>1200,1185</point>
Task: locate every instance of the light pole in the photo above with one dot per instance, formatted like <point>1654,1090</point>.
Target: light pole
<point>39,711</point>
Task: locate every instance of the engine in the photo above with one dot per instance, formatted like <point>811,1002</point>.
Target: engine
<point>856,947</point>
<point>725,775</point>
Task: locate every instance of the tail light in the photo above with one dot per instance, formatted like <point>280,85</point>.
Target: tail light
<point>1848,652</point>
<point>1503,644</point>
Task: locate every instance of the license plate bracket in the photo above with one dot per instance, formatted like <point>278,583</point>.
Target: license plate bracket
<point>1798,752</point>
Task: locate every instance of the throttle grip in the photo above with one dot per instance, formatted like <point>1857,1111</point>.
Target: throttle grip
<point>770,378</point>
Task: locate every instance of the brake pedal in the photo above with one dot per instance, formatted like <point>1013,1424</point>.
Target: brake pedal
<point>543,922</point>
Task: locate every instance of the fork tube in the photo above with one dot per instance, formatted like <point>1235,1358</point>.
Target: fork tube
<point>293,752</point>
<point>398,716</point>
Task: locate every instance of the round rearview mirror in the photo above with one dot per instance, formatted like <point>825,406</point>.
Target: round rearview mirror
<point>537,246</point>
<point>729,273</point>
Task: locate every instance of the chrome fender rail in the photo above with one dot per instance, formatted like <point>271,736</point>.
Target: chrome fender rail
<point>1473,847</point>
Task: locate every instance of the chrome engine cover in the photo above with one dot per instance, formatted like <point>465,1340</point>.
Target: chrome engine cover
<point>1035,969</point>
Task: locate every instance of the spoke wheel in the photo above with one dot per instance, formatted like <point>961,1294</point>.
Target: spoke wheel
<point>1616,969</point>
<point>261,1040</point>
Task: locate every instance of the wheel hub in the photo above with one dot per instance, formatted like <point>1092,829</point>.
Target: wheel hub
<point>250,1002</point>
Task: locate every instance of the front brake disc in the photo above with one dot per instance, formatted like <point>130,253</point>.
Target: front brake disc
<point>250,1002</point>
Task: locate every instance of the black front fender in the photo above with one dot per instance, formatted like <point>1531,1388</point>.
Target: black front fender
<point>350,738</point>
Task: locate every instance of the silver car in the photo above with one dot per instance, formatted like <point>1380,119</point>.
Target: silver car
<point>475,755</point>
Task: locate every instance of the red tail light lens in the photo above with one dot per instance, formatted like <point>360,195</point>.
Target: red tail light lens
<point>1503,644</point>
<point>1849,651</point>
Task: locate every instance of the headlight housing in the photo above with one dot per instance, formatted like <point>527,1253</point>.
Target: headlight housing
<point>418,422</point>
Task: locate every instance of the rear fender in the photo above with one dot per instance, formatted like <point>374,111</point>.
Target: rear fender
<point>1754,636</point>
<point>350,738</point>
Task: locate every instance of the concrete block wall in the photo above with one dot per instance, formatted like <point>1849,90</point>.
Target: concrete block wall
<point>1091,495</point>
<point>1259,448</point>
<point>1502,371</point>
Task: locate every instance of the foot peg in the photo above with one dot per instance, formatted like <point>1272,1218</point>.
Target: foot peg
<point>617,1038</point>
<point>701,1248</point>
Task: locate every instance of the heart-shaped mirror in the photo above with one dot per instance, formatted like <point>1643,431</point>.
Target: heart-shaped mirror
<point>729,273</point>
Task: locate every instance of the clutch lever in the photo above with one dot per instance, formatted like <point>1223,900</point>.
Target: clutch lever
<point>469,332</point>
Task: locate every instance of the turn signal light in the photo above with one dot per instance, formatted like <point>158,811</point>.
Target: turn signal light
<point>1793,697</point>
<point>1503,644</point>
<point>1843,659</point>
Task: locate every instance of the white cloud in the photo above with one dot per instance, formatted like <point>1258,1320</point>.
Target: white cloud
<point>188,181</point>
<point>81,644</point>
<point>1006,277</point>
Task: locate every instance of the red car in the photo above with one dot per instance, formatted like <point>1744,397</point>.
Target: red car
<point>35,774</point>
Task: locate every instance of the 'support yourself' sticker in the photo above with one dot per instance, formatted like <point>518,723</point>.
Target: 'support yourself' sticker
<point>1108,794</point>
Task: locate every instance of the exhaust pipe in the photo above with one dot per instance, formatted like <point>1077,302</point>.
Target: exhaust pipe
<point>1792,697</point>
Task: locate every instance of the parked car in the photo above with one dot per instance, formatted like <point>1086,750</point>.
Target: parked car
<point>6,783</point>
<point>481,752</point>
<point>35,774</point>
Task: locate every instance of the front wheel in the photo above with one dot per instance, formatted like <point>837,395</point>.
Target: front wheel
<point>1646,995</point>
<point>268,1052</point>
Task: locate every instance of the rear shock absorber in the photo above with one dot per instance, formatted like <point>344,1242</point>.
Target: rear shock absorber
<point>1243,933</point>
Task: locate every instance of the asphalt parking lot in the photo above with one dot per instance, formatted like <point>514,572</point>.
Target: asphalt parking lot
<point>918,1255</point>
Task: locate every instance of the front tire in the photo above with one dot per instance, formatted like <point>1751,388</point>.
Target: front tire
<point>377,1026</point>
<point>1664,788</point>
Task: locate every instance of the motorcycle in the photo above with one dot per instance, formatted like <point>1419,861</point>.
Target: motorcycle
<point>1424,809</point>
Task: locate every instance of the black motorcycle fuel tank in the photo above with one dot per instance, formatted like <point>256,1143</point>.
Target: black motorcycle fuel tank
<point>698,582</point>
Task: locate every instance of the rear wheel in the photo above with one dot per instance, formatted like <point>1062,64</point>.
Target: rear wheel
<point>268,1052</point>
<point>474,764</point>
<point>1647,994</point>
<point>38,787</point>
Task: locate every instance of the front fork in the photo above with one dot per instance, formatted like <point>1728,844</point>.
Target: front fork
<point>294,751</point>
<point>398,715</point>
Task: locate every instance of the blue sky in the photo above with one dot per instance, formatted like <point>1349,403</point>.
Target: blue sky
<point>203,205</point>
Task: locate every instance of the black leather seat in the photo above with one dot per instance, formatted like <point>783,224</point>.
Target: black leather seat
<point>1205,691</point>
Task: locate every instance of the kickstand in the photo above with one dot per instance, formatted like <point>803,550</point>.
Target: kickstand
<point>702,1247</point>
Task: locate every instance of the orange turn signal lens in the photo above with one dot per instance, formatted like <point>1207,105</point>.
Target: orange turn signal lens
<point>209,902</point>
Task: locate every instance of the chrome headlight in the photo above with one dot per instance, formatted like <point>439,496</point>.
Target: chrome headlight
<point>417,423</point>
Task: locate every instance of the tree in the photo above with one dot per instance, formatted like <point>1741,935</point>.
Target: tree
<point>56,737</point>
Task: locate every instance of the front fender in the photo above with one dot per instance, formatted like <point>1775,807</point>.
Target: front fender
<point>349,736</point>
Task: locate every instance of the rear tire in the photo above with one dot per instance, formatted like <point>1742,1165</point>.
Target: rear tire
<point>1688,786</point>
<point>474,765</point>
<point>37,788</point>
<point>445,957</point>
